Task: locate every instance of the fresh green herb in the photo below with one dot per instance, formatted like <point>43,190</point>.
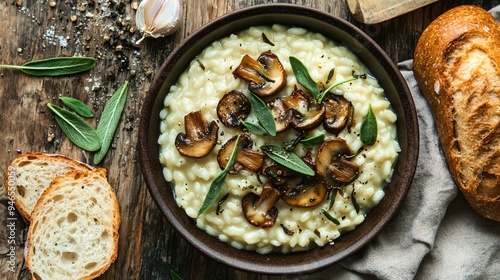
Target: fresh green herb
<point>263,114</point>
<point>313,140</point>
<point>286,230</point>
<point>220,202</point>
<point>110,118</point>
<point>76,105</point>
<point>266,40</point>
<point>76,129</point>
<point>254,128</point>
<point>322,95</point>
<point>291,144</point>
<point>369,128</point>
<point>58,66</point>
<point>287,159</point>
<point>302,75</point>
<point>330,217</point>
<point>174,275</point>
<point>216,185</point>
<point>330,75</point>
<point>202,66</point>
<point>354,202</point>
<point>333,194</point>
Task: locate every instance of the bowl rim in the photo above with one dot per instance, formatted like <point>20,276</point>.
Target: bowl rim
<point>222,253</point>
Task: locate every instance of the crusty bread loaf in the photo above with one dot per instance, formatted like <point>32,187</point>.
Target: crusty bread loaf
<point>457,66</point>
<point>74,229</point>
<point>30,174</point>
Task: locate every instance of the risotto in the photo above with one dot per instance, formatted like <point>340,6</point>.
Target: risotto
<point>211,76</point>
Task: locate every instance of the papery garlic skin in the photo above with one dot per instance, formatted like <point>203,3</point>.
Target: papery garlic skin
<point>158,18</point>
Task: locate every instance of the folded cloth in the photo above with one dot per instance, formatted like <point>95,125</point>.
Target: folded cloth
<point>435,234</point>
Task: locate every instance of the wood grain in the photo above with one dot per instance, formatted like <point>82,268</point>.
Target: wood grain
<point>33,29</point>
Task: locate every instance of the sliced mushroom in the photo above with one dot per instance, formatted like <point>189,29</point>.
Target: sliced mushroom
<point>266,74</point>
<point>338,113</point>
<point>333,165</point>
<point>245,156</point>
<point>233,107</point>
<point>200,137</point>
<point>306,113</point>
<point>303,191</point>
<point>282,116</point>
<point>260,210</point>
<point>277,173</point>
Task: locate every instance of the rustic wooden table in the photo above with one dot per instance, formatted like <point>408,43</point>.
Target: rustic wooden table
<point>105,29</point>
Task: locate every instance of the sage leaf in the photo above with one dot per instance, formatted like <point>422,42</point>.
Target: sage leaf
<point>254,128</point>
<point>313,140</point>
<point>76,105</point>
<point>369,128</point>
<point>287,159</point>
<point>217,184</point>
<point>57,66</point>
<point>110,118</point>
<point>302,75</point>
<point>331,218</point>
<point>76,129</point>
<point>263,114</point>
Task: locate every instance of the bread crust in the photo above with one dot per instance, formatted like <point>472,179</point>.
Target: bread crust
<point>10,178</point>
<point>457,67</point>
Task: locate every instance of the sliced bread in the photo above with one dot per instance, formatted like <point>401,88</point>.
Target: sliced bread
<point>74,229</point>
<point>30,174</point>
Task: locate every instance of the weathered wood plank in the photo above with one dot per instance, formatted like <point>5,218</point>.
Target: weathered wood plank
<point>33,29</point>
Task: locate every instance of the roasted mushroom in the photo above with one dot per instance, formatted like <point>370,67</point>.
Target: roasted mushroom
<point>266,74</point>
<point>282,116</point>
<point>245,156</point>
<point>277,173</point>
<point>303,191</point>
<point>333,165</point>
<point>306,113</point>
<point>199,139</point>
<point>338,113</point>
<point>233,107</point>
<point>260,210</point>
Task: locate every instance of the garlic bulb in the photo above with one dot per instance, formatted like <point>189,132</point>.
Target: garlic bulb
<point>158,18</point>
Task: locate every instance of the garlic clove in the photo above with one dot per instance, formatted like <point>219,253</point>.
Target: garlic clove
<point>158,18</point>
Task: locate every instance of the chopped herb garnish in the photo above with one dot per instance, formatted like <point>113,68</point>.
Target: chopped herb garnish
<point>219,203</point>
<point>330,75</point>
<point>266,40</point>
<point>354,202</point>
<point>330,217</point>
<point>202,66</point>
<point>286,230</point>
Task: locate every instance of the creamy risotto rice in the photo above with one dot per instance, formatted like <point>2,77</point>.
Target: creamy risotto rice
<point>201,87</point>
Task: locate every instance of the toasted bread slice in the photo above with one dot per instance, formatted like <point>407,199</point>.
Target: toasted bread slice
<point>74,229</point>
<point>30,174</point>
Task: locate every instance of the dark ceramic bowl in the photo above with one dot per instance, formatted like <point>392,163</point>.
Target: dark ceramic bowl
<point>340,31</point>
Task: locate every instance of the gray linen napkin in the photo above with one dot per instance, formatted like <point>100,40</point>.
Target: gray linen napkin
<point>435,234</point>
